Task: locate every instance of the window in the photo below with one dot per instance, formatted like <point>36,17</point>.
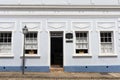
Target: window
<point>81,42</point>
<point>106,41</point>
<point>31,43</point>
<point>5,42</point>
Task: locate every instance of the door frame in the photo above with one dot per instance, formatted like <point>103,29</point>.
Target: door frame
<point>49,47</point>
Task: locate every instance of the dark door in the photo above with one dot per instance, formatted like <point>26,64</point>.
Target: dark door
<point>56,49</point>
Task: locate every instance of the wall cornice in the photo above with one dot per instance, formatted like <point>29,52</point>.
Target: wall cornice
<point>60,6</point>
<point>59,13</point>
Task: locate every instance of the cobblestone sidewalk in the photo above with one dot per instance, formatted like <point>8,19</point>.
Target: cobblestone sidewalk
<point>58,76</point>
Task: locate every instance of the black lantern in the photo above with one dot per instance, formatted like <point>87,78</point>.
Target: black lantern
<point>25,31</point>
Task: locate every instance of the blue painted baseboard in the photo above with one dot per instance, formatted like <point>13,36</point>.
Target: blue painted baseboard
<point>27,68</point>
<point>66,68</point>
<point>92,68</point>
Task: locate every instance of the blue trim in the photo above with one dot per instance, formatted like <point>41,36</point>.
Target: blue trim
<point>66,68</point>
<point>92,68</point>
<point>27,68</point>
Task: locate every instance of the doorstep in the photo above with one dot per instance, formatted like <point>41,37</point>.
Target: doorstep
<point>56,68</point>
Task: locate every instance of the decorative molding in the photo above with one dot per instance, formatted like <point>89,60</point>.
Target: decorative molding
<point>81,25</point>
<point>106,25</point>
<point>23,6</point>
<point>60,13</point>
<point>56,25</point>
<point>32,25</point>
<point>7,25</point>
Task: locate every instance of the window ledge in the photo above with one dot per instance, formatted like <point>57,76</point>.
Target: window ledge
<point>107,55</point>
<point>82,55</point>
<point>31,56</point>
<point>6,56</point>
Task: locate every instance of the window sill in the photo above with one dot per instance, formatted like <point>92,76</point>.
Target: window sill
<point>6,56</point>
<point>107,55</point>
<point>31,56</point>
<point>82,55</point>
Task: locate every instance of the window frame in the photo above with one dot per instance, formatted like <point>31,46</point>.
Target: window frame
<point>89,44</point>
<point>29,43</point>
<point>10,54</point>
<point>38,44</point>
<point>113,44</point>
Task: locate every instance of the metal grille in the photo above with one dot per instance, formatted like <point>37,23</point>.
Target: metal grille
<point>5,42</point>
<point>81,42</point>
<point>106,39</point>
<point>31,43</point>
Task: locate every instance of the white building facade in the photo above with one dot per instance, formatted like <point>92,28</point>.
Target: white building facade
<point>77,35</point>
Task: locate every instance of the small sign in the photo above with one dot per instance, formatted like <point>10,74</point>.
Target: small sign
<point>69,35</point>
<point>69,41</point>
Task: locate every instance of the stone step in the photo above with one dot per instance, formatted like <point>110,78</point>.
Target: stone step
<point>56,69</point>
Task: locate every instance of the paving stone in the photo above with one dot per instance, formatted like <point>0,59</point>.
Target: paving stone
<point>58,76</point>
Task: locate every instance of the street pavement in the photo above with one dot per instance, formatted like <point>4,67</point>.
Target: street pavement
<point>59,75</point>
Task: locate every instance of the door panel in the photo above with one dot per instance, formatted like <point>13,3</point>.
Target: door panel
<point>57,50</point>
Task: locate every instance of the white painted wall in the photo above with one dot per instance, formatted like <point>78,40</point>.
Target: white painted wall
<point>44,46</point>
<point>59,2</point>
